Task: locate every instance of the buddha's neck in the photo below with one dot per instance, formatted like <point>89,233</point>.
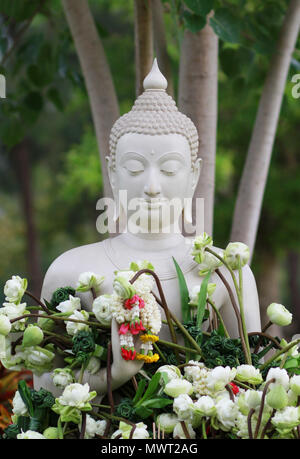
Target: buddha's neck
<point>152,242</point>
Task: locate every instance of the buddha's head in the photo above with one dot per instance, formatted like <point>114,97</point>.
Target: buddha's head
<point>153,153</point>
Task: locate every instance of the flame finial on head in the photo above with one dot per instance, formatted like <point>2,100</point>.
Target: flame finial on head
<point>155,79</point>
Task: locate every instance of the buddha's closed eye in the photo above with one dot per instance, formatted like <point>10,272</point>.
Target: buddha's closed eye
<point>134,166</point>
<point>170,167</point>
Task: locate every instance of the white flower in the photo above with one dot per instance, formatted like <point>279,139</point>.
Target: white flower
<point>248,373</point>
<point>14,289</point>
<point>286,418</point>
<point>194,293</point>
<point>281,377</point>
<point>170,372</point>
<point>219,377</point>
<point>62,377</point>
<point>5,325</point>
<point>38,359</point>
<point>209,263</point>
<point>102,308</point>
<point>227,412</point>
<point>295,384</point>
<point>140,432</point>
<point>252,399</point>
<point>19,407</point>
<point>199,244</point>
<point>178,431</point>
<point>183,406</point>
<point>125,429</point>
<point>235,251</point>
<point>205,406</point>
<point>279,315</point>
<point>193,371</point>
<point>30,435</point>
<point>93,365</point>
<point>176,387</point>
<point>93,427</point>
<point>123,287</point>
<point>167,422</point>
<point>12,311</point>
<point>89,280</point>
<point>70,305</point>
<point>75,327</point>
<point>76,395</point>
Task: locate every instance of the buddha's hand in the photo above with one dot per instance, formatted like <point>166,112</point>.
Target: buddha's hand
<point>122,370</point>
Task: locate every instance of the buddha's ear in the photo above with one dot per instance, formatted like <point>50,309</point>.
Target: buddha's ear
<point>110,171</point>
<point>196,170</point>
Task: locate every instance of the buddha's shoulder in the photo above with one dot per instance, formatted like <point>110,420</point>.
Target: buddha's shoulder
<point>69,264</point>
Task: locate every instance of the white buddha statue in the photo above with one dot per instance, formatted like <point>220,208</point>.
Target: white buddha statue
<point>153,156</point>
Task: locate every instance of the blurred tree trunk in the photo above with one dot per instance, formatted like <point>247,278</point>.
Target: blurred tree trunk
<point>160,44</point>
<point>143,41</point>
<point>21,162</point>
<point>253,181</point>
<point>293,270</point>
<point>198,89</point>
<point>97,75</point>
<point>268,286</point>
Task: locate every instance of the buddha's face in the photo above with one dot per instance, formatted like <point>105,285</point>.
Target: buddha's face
<point>154,170</point>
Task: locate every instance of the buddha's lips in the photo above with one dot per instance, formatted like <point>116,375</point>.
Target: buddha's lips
<point>153,203</point>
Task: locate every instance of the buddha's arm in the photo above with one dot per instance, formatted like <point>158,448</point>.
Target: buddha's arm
<point>121,370</point>
<point>250,300</point>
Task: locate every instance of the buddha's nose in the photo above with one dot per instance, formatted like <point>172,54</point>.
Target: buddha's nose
<point>152,187</point>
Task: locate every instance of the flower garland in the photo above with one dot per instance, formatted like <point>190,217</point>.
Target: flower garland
<point>137,312</point>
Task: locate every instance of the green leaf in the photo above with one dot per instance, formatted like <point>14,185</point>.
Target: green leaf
<point>291,363</point>
<point>159,402</point>
<point>25,394</point>
<point>184,294</point>
<point>54,95</point>
<point>143,412</point>
<point>34,101</point>
<point>202,300</point>
<point>140,390</point>
<point>226,25</point>
<point>193,22</point>
<point>151,389</point>
<point>202,7</point>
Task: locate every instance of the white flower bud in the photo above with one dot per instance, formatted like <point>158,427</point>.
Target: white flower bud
<point>295,384</point>
<point>176,387</point>
<point>235,251</point>
<point>102,308</point>
<point>62,377</point>
<point>248,373</point>
<point>5,325</point>
<point>14,289</point>
<point>19,407</point>
<point>178,431</point>
<point>167,422</point>
<point>279,315</point>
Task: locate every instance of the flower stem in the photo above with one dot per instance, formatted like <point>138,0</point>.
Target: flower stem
<point>262,404</point>
<point>80,378</point>
<point>242,311</point>
<point>47,311</point>
<point>204,429</point>
<point>278,353</point>
<point>64,319</point>
<point>178,346</point>
<point>219,317</point>
<point>239,314</point>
